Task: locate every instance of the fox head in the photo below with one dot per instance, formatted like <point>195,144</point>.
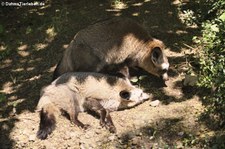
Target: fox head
<point>155,60</point>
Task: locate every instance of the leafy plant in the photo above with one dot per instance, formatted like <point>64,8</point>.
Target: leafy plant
<point>212,61</point>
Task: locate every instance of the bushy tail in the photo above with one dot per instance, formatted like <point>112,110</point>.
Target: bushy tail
<point>47,121</point>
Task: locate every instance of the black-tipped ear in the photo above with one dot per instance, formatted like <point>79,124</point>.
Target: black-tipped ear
<point>125,95</point>
<point>155,55</point>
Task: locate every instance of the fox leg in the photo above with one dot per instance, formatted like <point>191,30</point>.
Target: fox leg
<point>74,119</point>
<point>106,121</point>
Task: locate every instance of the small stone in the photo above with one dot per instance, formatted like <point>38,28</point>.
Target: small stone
<point>32,137</point>
<point>135,140</point>
<point>152,137</point>
<point>82,146</point>
<point>25,132</point>
<point>179,145</point>
<point>111,138</point>
<point>89,134</point>
<point>180,133</point>
<point>155,103</point>
<point>67,137</point>
<point>98,131</point>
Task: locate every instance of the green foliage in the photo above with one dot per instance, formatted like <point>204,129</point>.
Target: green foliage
<point>2,97</point>
<point>59,18</point>
<point>212,61</point>
<point>5,53</point>
<point>217,6</point>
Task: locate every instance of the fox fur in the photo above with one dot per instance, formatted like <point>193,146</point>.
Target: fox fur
<point>80,91</point>
<point>118,42</point>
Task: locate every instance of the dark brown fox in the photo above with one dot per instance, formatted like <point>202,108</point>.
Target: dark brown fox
<point>118,42</point>
<point>78,92</point>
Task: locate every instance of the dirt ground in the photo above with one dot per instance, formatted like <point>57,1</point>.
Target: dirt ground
<point>33,39</point>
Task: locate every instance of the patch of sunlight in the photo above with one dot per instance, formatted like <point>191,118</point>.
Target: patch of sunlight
<point>7,88</point>
<point>30,68</point>
<point>32,10</point>
<point>171,53</point>
<point>40,13</point>
<point>15,103</point>
<point>179,32</point>
<point>137,4</point>
<point>65,46</point>
<point>147,1</point>
<point>45,6</point>
<point>170,31</point>
<point>147,11</point>
<point>22,47</point>
<point>34,78</point>
<point>51,69</point>
<point>51,33</point>
<point>6,63</point>
<point>35,60</point>
<point>40,46</point>
<point>170,13</point>
<point>18,70</point>
<point>135,14</point>
<point>14,97</point>
<point>176,2</point>
<point>23,61</point>
<point>119,5</point>
<point>2,48</point>
<point>112,10</point>
<point>23,53</point>
<point>118,14</point>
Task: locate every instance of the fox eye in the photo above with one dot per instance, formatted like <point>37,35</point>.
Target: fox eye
<point>164,70</point>
<point>125,95</point>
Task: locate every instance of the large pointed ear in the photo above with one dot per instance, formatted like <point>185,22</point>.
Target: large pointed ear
<point>156,54</point>
<point>124,72</point>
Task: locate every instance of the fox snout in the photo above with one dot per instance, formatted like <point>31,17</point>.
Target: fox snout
<point>165,77</point>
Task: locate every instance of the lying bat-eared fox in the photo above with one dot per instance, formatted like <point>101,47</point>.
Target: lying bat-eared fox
<point>118,42</point>
<point>80,91</point>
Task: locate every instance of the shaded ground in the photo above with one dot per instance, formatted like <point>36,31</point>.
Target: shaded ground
<point>32,41</point>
